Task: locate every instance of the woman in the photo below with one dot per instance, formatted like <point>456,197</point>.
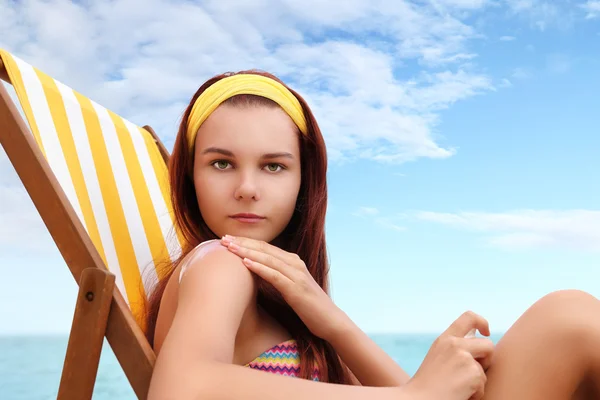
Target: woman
<point>248,179</point>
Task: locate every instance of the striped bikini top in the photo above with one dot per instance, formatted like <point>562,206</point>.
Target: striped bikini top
<point>281,359</point>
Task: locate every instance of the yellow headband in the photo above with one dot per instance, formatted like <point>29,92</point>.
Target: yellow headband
<point>233,85</point>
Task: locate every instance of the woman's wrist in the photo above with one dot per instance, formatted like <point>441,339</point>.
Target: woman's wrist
<point>370,364</point>
<point>341,327</point>
<point>407,392</point>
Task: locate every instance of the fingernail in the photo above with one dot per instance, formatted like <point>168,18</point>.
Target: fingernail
<point>233,246</point>
<point>225,240</point>
<point>247,261</point>
<point>230,238</point>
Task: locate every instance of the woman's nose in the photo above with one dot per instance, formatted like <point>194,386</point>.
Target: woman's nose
<point>247,188</point>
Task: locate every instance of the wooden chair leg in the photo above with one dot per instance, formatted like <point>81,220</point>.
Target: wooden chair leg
<point>87,334</point>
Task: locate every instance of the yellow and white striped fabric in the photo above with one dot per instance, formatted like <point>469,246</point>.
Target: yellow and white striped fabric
<point>112,173</point>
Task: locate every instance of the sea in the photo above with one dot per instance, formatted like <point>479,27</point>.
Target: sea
<point>31,366</point>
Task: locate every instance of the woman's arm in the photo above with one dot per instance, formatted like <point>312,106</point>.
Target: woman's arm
<point>368,362</point>
<point>207,380</point>
<point>196,357</point>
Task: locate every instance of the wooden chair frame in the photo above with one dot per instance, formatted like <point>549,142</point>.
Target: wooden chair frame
<point>100,308</point>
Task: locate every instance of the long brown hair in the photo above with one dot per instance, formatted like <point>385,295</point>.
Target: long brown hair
<point>304,235</point>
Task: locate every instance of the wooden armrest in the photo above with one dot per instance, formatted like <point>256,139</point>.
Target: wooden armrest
<point>87,334</point>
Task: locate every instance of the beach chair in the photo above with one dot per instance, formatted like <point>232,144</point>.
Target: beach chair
<point>100,185</point>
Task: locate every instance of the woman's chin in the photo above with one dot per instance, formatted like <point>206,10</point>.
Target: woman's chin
<point>249,231</point>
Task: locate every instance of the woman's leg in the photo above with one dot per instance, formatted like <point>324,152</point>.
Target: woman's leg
<point>551,353</point>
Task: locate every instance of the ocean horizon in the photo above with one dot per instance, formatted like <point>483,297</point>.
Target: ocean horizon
<point>31,365</point>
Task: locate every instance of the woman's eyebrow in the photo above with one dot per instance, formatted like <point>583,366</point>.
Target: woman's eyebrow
<point>218,151</point>
<point>278,155</point>
<point>264,156</point>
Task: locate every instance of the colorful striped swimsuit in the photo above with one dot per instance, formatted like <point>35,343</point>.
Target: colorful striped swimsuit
<point>282,359</point>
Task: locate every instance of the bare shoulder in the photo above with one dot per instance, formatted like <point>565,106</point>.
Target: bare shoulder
<point>216,287</point>
<point>217,271</point>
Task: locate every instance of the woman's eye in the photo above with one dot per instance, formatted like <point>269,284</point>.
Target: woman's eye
<point>221,164</point>
<point>273,167</point>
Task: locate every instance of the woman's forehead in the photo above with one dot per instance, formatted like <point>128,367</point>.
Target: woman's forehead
<point>248,128</point>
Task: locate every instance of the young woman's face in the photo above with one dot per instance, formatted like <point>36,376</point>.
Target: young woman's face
<point>247,171</point>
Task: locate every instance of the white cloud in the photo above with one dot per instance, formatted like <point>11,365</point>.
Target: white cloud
<point>571,229</point>
<point>521,5</point>
<point>592,9</point>
<point>370,88</point>
<point>389,224</point>
<point>144,59</point>
<point>466,4</point>
<point>543,14</point>
<point>377,73</point>
<point>446,88</point>
<point>507,38</point>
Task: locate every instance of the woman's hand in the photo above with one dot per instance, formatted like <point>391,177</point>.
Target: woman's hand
<point>454,368</point>
<point>289,275</point>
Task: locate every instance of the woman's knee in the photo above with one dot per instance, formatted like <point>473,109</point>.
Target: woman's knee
<point>569,316</point>
<point>568,296</point>
<point>567,304</point>
<point>551,342</point>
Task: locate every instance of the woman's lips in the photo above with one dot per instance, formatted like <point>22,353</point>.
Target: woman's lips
<point>248,218</point>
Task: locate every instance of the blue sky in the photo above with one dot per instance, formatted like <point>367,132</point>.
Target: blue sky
<point>462,137</point>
